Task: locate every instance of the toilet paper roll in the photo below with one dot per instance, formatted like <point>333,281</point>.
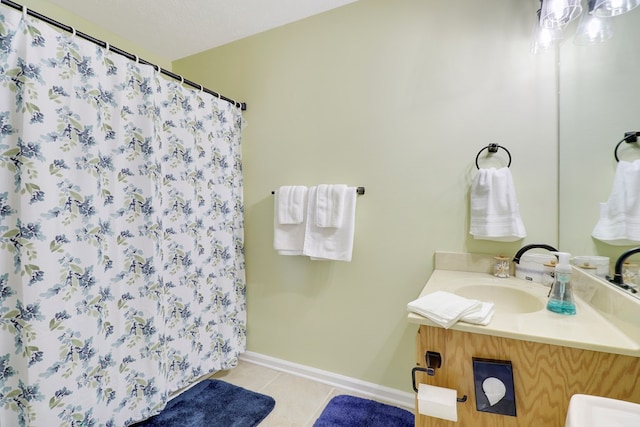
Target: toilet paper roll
<point>438,402</point>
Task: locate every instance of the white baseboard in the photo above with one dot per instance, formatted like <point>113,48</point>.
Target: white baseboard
<point>388,395</point>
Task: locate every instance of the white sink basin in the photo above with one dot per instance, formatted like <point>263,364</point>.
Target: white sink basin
<point>521,314</point>
<point>506,299</point>
<point>594,411</point>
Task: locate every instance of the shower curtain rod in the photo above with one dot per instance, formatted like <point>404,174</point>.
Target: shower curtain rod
<point>241,105</point>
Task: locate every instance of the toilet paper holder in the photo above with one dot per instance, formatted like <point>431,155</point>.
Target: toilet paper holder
<point>434,361</point>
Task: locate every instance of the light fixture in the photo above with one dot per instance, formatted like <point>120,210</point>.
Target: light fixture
<point>558,13</point>
<point>592,29</point>
<point>594,26</point>
<point>609,8</point>
<point>544,38</point>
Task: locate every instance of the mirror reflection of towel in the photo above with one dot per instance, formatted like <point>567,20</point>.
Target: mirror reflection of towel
<point>495,214</point>
<point>619,222</point>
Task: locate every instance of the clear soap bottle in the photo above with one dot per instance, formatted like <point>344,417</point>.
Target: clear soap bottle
<point>561,296</point>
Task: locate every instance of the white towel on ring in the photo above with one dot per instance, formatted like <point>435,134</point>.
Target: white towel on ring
<point>495,212</point>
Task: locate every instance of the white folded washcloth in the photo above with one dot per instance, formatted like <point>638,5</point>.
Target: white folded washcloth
<point>328,243</point>
<point>481,316</point>
<point>290,203</point>
<point>288,238</point>
<point>446,308</point>
<point>619,222</point>
<point>495,213</point>
<point>330,205</point>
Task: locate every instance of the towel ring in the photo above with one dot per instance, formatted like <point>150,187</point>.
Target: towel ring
<point>493,148</point>
<point>629,137</point>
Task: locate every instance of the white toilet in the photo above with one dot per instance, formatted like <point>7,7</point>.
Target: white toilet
<point>595,411</point>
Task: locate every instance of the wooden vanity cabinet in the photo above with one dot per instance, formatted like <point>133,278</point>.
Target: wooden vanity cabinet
<point>545,377</point>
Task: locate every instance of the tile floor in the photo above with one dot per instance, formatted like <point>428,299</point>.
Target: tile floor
<point>299,401</point>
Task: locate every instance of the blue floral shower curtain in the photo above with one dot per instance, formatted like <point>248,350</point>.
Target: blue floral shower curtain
<point>121,232</point>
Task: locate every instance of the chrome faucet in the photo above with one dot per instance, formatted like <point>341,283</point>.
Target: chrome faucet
<point>617,278</point>
<point>524,249</point>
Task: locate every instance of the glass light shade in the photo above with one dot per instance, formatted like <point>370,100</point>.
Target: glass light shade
<point>593,30</point>
<point>544,39</point>
<point>558,13</point>
<point>609,8</point>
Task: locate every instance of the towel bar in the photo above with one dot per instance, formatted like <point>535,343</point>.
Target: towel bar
<point>359,190</point>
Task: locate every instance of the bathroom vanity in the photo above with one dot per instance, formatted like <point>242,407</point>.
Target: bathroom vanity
<point>553,357</point>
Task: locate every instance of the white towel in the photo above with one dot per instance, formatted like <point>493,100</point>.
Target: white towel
<point>288,239</point>
<point>495,213</point>
<point>445,309</point>
<point>619,222</point>
<point>290,203</point>
<point>481,316</point>
<point>330,205</point>
<point>329,243</point>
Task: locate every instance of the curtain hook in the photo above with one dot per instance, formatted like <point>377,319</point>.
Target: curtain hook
<point>201,88</point>
<point>137,59</point>
<point>107,46</point>
<point>73,32</point>
<point>25,11</point>
<point>181,80</point>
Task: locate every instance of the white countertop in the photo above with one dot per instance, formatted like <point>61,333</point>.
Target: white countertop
<point>588,329</point>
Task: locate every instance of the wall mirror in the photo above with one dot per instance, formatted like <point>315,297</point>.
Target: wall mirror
<point>599,99</point>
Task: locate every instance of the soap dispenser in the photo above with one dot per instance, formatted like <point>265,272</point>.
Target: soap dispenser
<point>561,297</point>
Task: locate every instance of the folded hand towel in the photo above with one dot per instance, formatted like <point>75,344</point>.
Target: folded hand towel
<point>330,205</point>
<point>619,222</point>
<point>494,209</point>
<point>326,242</point>
<point>444,308</point>
<point>481,316</point>
<point>288,239</point>
<point>290,201</point>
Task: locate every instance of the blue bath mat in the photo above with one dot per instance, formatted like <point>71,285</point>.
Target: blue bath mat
<point>350,411</point>
<point>213,403</point>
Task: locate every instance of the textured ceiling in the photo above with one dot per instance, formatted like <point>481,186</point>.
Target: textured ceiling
<point>174,29</point>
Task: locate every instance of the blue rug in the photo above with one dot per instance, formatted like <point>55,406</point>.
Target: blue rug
<point>350,411</point>
<point>213,403</point>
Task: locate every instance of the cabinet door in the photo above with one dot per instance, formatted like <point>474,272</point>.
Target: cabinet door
<point>545,376</point>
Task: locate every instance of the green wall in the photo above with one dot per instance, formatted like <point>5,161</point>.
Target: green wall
<point>398,96</point>
<point>80,24</point>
